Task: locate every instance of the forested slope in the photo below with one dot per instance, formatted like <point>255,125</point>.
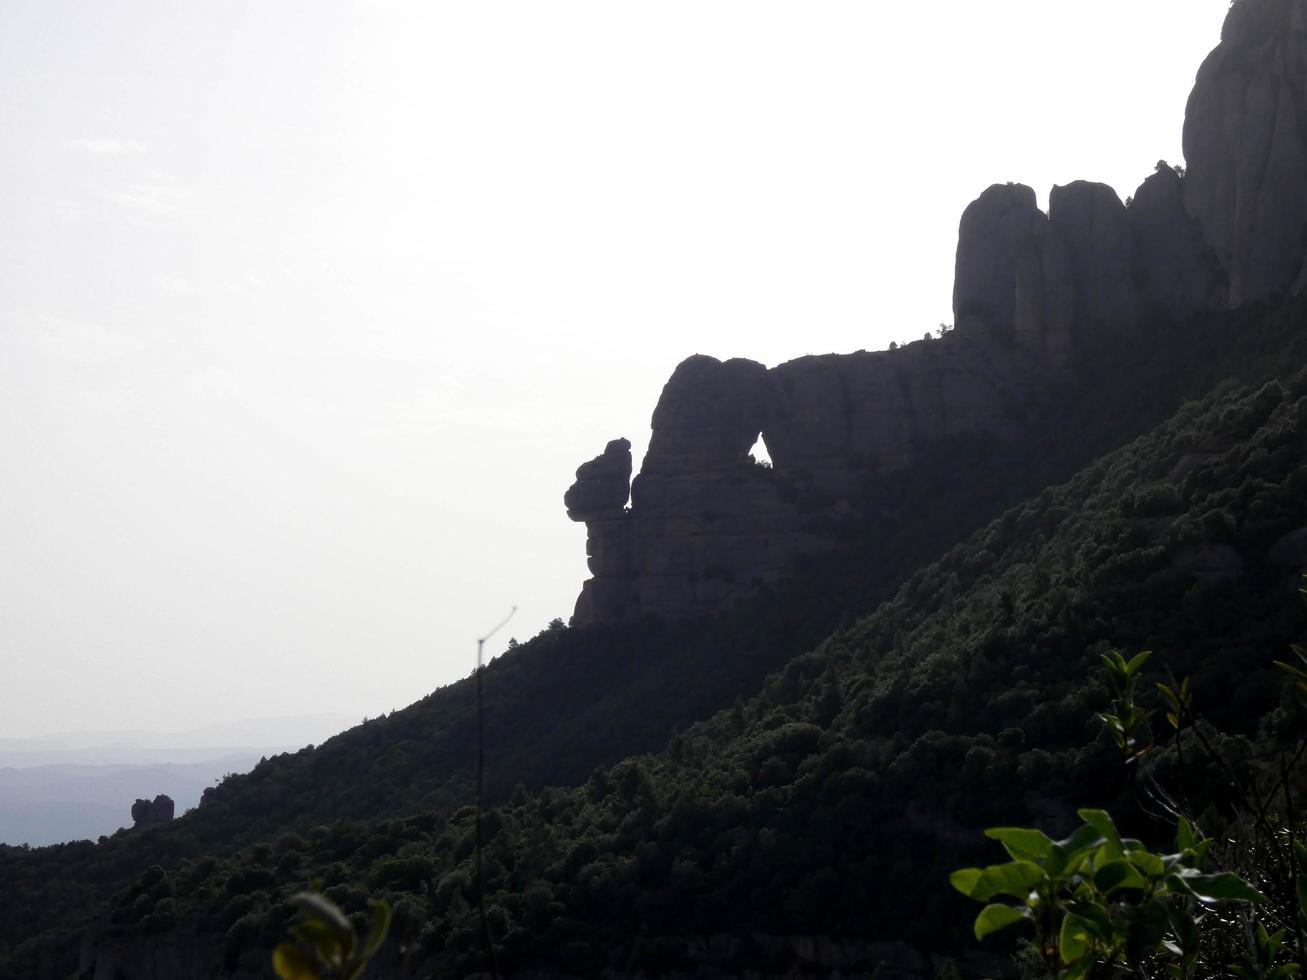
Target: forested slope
<point>962,701</point>
<point>833,803</point>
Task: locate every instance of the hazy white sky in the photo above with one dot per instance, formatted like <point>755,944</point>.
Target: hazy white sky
<point>309,310</point>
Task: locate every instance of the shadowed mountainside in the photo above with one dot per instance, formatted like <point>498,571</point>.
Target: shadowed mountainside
<point>903,611</point>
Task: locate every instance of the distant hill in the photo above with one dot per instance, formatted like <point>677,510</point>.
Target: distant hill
<point>81,785</point>
<point>50,804</point>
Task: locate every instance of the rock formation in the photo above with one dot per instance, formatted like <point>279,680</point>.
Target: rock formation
<point>1031,292</point>
<point>1245,140</point>
<point>997,229</point>
<point>706,523</point>
<point>602,486</point>
<point>148,812</point>
<point>1177,271</point>
<point>834,421</point>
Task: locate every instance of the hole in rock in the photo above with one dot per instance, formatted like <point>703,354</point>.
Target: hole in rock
<point>759,452</point>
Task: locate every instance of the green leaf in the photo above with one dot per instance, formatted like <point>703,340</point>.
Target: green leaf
<point>1169,696</point>
<point>1184,836</point>
<point>1185,929</point>
<point>1112,722</point>
<point>1222,887</point>
<point>1146,926</point>
<point>1023,844</point>
<point>1015,879</point>
<point>380,926</point>
<point>1270,944</point>
<point>1114,661</point>
<point>1289,668</point>
<point>1093,917</point>
<point>323,937</point>
<point>1148,863</point>
<point>292,963</point>
<point>1302,895</point>
<point>965,880</point>
<point>1070,852</point>
<point>1073,940</point>
<point>995,917</point>
<point>1117,874</point>
<point>311,903</point>
<point>1102,822</point>
<point>1136,662</point>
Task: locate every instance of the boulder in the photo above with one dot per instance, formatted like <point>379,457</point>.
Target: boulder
<point>156,811</point>
<point>602,485</point>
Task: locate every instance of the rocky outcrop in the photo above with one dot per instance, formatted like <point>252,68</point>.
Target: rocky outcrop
<point>1031,292</point>
<point>148,812</point>
<point>706,524</point>
<point>1177,271</point>
<point>1090,221</point>
<point>1245,141</point>
<point>708,417</point>
<point>1053,280</point>
<point>835,421</point>
<point>602,485</point>
<point>997,230</point>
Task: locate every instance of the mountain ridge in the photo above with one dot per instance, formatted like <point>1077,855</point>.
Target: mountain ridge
<point>943,684</point>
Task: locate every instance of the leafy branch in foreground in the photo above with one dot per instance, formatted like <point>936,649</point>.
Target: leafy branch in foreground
<point>327,946</point>
<point>1126,721</point>
<point>1099,901</point>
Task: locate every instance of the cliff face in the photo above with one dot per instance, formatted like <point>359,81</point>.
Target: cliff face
<point>706,526</point>
<point>1245,138</point>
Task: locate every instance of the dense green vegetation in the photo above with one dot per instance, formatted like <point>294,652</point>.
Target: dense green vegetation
<point>946,689</point>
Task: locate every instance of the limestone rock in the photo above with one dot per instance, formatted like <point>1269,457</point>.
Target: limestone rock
<point>834,420</point>
<point>158,810</point>
<point>1245,140</point>
<point>1046,279</point>
<point>602,485</point>
<point>706,525</point>
<point>996,229</point>
<point>1046,300</point>
<point>709,415</point>
<point>1177,272</point>
<point>1090,220</point>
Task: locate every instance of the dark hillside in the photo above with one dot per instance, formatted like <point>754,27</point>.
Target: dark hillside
<point>813,825</point>
<point>570,700</point>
